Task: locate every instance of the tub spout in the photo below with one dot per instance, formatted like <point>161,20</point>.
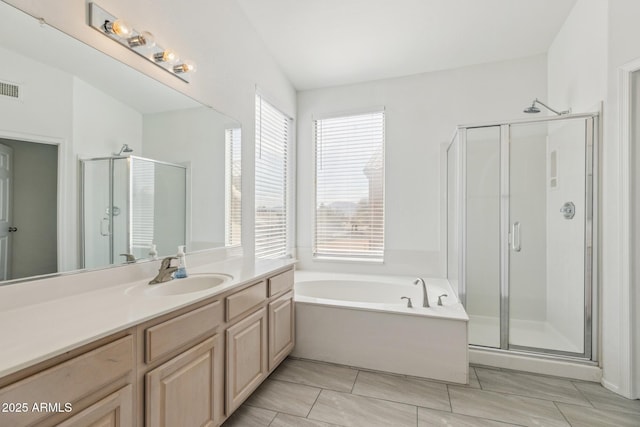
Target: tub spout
<point>425,297</point>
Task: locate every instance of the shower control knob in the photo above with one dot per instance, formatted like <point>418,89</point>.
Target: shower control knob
<point>568,210</point>
<point>13,229</point>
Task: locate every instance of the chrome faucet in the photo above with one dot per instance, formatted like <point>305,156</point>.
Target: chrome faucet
<point>425,298</point>
<point>164,274</point>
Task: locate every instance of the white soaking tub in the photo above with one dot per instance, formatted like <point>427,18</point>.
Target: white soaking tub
<point>360,320</point>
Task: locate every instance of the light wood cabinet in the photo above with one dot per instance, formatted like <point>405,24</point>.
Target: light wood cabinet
<point>187,390</point>
<point>246,358</point>
<point>191,367</point>
<point>78,382</point>
<point>281,329</point>
<point>244,301</point>
<point>164,338</point>
<point>115,410</point>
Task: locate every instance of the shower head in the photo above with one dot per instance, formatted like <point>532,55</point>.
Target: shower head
<point>124,149</point>
<point>533,109</point>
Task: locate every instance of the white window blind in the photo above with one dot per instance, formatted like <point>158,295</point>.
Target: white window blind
<point>349,219</point>
<point>233,200</point>
<point>272,142</point>
<point>143,205</point>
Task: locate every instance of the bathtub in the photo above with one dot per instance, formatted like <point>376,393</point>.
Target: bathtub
<point>360,320</point>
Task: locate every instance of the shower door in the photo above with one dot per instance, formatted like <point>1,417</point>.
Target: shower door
<point>549,221</point>
<point>526,233</point>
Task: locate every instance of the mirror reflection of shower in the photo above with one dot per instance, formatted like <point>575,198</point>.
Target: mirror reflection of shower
<point>124,149</point>
<point>129,204</point>
<point>534,110</point>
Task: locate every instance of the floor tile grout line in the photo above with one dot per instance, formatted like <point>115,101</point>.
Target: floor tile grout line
<point>314,403</point>
<point>550,398</point>
<point>272,410</point>
<point>584,395</point>
<point>561,413</point>
<point>449,397</point>
<point>519,395</point>
<point>355,380</point>
<point>273,419</point>
<point>477,377</point>
<point>473,416</point>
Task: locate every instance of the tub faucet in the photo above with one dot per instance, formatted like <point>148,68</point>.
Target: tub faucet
<point>164,274</point>
<point>425,297</point>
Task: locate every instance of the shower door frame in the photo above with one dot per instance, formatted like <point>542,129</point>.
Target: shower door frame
<point>129,198</point>
<point>592,132</point>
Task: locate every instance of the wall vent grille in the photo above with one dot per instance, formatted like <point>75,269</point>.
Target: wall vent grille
<point>9,90</point>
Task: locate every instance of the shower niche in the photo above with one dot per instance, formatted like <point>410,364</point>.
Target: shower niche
<point>129,204</point>
<point>520,234</point>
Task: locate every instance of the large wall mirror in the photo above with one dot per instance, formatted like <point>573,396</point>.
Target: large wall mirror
<point>98,159</point>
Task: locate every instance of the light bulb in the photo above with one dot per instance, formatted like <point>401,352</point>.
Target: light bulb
<point>118,27</point>
<point>185,67</point>
<point>145,39</point>
<point>166,55</point>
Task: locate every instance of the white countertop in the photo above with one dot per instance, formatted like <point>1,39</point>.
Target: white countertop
<point>57,317</point>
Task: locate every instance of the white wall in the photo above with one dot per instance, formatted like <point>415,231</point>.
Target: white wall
<point>619,359</point>
<point>636,224</point>
<point>584,64</point>
<point>421,114</point>
<point>577,59</point>
<point>232,60</point>
<point>195,138</point>
<point>102,124</point>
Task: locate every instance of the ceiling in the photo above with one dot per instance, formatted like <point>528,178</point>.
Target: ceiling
<point>321,43</point>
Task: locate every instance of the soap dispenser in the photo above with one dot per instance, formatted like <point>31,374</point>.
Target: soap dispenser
<point>181,272</point>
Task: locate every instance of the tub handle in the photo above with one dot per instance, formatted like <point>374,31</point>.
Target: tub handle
<point>409,305</point>
<point>440,298</point>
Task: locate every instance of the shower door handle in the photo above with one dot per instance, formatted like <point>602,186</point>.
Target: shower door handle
<point>105,227</point>
<point>515,237</point>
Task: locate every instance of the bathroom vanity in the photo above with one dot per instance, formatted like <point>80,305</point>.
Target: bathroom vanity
<point>175,360</point>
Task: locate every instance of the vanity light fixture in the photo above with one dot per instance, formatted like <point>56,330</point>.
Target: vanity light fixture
<point>141,42</point>
<point>166,55</point>
<point>145,38</point>
<point>185,67</point>
<point>118,27</point>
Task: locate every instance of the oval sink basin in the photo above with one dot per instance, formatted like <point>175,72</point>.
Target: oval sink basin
<point>193,283</point>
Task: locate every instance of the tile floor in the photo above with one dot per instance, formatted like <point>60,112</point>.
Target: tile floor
<point>301,393</point>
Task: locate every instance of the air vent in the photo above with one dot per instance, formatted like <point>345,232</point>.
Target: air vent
<point>9,90</point>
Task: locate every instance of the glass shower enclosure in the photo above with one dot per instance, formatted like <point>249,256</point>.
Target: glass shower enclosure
<point>520,233</point>
<point>129,204</point>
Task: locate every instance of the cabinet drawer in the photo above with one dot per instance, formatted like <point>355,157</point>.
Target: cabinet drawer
<point>114,410</point>
<point>69,381</point>
<point>280,283</point>
<point>245,300</point>
<point>168,336</point>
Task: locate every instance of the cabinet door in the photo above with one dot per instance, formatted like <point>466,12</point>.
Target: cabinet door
<point>187,390</point>
<point>246,358</point>
<point>115,410</point>
<point>281,329</point>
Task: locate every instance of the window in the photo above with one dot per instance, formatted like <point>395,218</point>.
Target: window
<point>272,181</point>
<point>349,217</point>
<point>233,190</point>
